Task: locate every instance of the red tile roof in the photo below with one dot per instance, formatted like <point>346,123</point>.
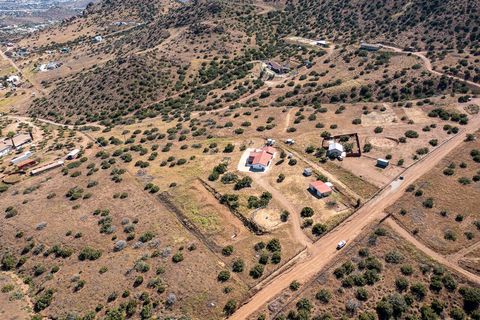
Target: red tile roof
<point>268,149</point>
<point>26,163</point>
<point>262,157</point>
<point>320,186</point>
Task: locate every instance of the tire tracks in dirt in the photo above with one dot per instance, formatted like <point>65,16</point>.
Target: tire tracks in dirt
<point>324,251</point>
<point>444,260</point>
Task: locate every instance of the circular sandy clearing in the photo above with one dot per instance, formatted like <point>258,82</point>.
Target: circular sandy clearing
<point>266,218</point>
<point>382,142</point>
<point>12,178</point>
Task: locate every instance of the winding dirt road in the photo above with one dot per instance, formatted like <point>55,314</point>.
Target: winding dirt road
<point>446,261</point>
<point>428,65</point>
<point>323,252</point>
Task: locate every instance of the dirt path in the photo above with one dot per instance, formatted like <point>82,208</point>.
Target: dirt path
<point>298,233</point>
<point>428,64</point>
<point>266,8</point>
<point>324,251</point>
<point>71,127</point>
<point>23,288</point>
<point>287,120</point>
<point>173,36</point>
<point>429,252</point>
<point>327,174</point>
<point>457,256</point>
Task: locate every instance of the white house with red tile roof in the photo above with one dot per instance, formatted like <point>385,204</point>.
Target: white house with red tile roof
<point>320,188</point>
<point>260,159</point>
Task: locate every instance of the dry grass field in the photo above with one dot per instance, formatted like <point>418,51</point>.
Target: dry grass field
<point>46,218</point>
<point>379,266</point>
<point>14,303</point>
<point>449,225</point>
<point>158,218</point>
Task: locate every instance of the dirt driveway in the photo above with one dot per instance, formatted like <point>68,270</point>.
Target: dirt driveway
<point>324,251</point>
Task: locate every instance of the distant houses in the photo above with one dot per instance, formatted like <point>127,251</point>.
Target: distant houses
<point>49,66</point>
<point>14,80</point>
<point>53,65</point>
<point>260,159</point>
<point>21,53</point>
<point>18,141</point>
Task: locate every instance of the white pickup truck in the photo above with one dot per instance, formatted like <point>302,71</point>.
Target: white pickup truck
<point>341,244</point>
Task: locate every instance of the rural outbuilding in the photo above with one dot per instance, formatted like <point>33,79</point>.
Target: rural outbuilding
<point>21,158</point>
<point>260,159</point>
<point>26,164</point>
<point>277,68</point>
<point>322,43</point>
<point>307,172</point>
<point>73,154</point>
<point>335,150</point>
<point>4,149</point>
<point>382,163</point>
<point>369,46</point>
<point>320,188</point>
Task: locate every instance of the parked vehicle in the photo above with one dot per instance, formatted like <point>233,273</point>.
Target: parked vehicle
<point>341,244</point>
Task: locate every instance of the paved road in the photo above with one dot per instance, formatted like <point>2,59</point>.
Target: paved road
<point>323,251</point>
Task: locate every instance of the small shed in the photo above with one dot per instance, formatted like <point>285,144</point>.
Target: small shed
<point>320,188</point>
<point>26,164</point>
<point>277,68</point>
<point>73,154</point>
<point>335,150</point>
<point>382,163</point>
<point>307,172</point>
<point>290,141</point>
<point>4,149</point>
<point>21,158</point>
<point>322,43</point>
<point>369,46</point>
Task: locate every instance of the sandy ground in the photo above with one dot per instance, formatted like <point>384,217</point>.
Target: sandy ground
<point>448,262</point>
<point>323,252</point>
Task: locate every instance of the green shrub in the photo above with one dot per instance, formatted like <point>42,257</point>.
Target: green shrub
<point>223,276</point>
<point>177,257</point>
<point>89,253</point>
